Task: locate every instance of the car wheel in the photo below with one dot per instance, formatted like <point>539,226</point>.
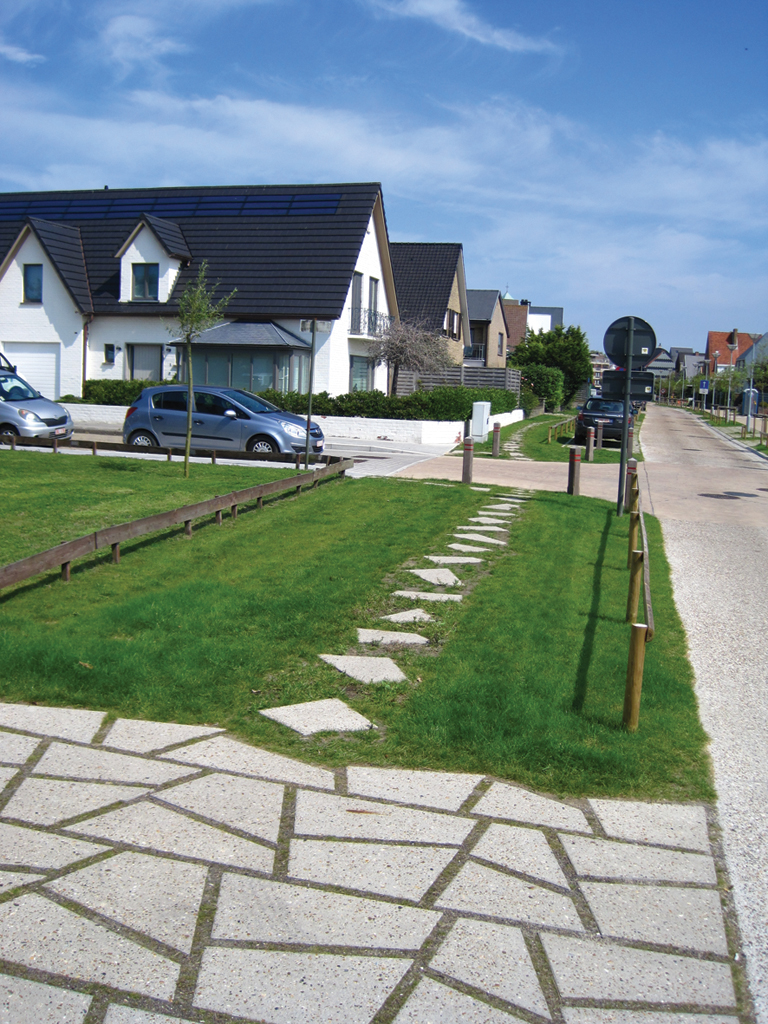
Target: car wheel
<point>6,430</point>
<point>141,439</point>
<point>262,444</point>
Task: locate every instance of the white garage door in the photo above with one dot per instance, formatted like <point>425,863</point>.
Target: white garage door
<point>37,362</point>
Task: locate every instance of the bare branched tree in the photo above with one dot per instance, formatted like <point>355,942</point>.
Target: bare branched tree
<point>410,345</point>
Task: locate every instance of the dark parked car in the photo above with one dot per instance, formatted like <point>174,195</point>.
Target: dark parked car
<point>221,418</point>
<point>601,410</point>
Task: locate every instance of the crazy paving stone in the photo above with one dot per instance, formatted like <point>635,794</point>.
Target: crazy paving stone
<point>64,723</point>
<point>494,958</point>
<point>38,933</point>
<point>412,615</point>
<point>484,529</point>
<point>141,737</point>
<point>232,756</point>
<point>521,849</point>
<point>246,804</point>
<point>481,890</point>
<point>663,915</point>
<point>421,595</point>
<point>331,715</point>
<point>439,577</point>
<point>663,824</point>
<point>432,1003</point>
<point>257,910</point>
<point>15,749</point>
<point>29,1002</point>
<point>467,547</point>
<point>13,879</point>
<point>6,774</point>
<point>503,801</point>
<point>389,636</point>
<point>295,988</point>
<point>320,814</point>
<point>603,859</point>
<point>591,1015</point>
<point>588,969</point>
<point>47,801</point>
<point>365,669</point>
<point>104,766</point>
<point>127,1015</point>
<point>42,850</point>
<point>454,560</point>
<point>488,520</point>
<point>478,537</point>
<point>154,895</point>
<point>157,828</point>
<point>401,871</point>
<point>508,507</point>
<point>446,790</point>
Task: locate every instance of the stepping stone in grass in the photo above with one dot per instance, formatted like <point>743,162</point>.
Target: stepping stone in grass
<point>481,538</point>
<point>468,547</point>
<point>313,716</point>
<point>421,595</point>
<point>488,520</point>
<point>440,577</point>
<point>365,669</point>
<point>479,488</point>
<point>388,636</point>
<point>412,615</point>
<point>484,529</point>
<point>453,560</point>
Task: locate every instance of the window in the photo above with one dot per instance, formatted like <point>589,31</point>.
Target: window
<point>145,280</point>
<point>501,344</point>
<point>175,401</point>
<point>357,303</point>
<point>109,353</point>
<point>33,282</point>
<point>213,405</point>
<point>373,295</point>
<point>452,324</point>
<point>360,373</point>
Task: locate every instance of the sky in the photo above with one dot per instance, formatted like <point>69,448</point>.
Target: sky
<point>608,156</point>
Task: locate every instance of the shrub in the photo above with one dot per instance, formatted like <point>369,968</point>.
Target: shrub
<point>444,403</point>
<point>117,392</point>
<point>545,381</point>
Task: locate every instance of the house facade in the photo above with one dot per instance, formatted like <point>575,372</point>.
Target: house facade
<point>90,283</point>
<point>488,329</point>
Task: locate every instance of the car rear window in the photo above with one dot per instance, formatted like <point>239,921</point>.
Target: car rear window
<point>600,405</point>
<point>171,400</point>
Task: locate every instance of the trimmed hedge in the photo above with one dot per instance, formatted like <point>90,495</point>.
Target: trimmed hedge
<point>117,392</point>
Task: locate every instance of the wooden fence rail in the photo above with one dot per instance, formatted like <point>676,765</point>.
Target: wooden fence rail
<point>638,562</point>
<point>64,554</point>
<point>562,427</point>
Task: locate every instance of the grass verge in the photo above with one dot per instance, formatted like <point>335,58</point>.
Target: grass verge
<point>534,446</point>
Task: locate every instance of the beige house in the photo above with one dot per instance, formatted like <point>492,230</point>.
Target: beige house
<point>488,329</point>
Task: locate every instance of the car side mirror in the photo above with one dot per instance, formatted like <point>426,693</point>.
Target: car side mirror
<point>231,413</point>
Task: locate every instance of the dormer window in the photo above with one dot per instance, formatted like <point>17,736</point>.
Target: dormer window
<point>145,282</point>
<point>33,282</point>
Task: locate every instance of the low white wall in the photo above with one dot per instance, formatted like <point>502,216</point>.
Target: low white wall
<point>103,415</point>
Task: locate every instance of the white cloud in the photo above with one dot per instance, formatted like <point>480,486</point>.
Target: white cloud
<point>18,55</point>
<point>129,40</point>
<point>455,16</point>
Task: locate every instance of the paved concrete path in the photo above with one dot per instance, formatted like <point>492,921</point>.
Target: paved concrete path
<point>152,872</point>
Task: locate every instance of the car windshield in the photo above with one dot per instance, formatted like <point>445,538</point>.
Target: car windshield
<point>251,402</point>
<point>599,405</point>
<point>14,389</point>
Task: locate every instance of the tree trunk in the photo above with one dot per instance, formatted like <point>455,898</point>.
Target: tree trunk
<point>188,441</point>
<point>395,369</point>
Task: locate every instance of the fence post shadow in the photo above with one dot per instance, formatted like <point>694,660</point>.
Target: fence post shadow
<point>585,657</point>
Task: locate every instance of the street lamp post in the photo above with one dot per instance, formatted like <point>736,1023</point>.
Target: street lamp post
<point>316,327</point>
<point>714,380</point>
<point>733,344</point>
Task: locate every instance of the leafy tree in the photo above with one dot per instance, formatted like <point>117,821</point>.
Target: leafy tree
<point>546,382</point>
<point>410,345</point>
<point>197,313</point>
<point>563,347</point>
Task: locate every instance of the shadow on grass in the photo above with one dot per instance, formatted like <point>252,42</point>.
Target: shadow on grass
<point>585,657</point>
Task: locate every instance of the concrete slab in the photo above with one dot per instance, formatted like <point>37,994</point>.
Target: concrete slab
<point>389,636</point>
<point>157,828</point>
<point>412,615</point>
<point>365,669</point>
<point>468,547</point>
<point>446,790</point>
<point>320,814</point>
<point>432,1003</point>
<point>601,858</point>
<point>246,804</point>
<point>13,879</point>
<point>521,849</point>
<point>310,717</point>
<point>439,577</point>
<point>500,519</point>
<point>494,958</point>
<point>103,766</point>
<point>48,801</point>
<point>454,560</point>
<point>592,1015</point>
<point>63,723</point>
<point>478,537</point>
<point>508,506</point>
<point>16,749</point>
<point>295,988</point>
<point>38,933</point>
<point>423,595</point>
<point>42,850</point>
<point>682,825</point>
<point>479,488</point>
<point>231,756</point>
<point>663,915</point>
<point>128,1015</point>
<point>154,895</point>
<point>481,890</point>
<point>485,529</point>
<point>258,910</point>
<point>591,969</point>
<point>502,801</point>
<point>142,737</point>
<point>405,872</point>
<point>29,1002</point>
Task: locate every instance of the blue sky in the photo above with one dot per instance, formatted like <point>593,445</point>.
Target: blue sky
<point>609,156</point>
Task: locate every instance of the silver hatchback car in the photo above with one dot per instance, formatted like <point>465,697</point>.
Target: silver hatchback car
<point>25,413</point>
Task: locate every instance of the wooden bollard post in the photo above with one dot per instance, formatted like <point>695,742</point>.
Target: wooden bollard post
<point>590,444</point>
<point>213,458</point>
<point>218,517</point>
<point>574,470</point>
<point>233,510</point>
<point>116,553</point>
<point>496,439</point>
<point>94,447</point>
<point>168,452</point>
<point>13,442</point>
<point>634,529</point>
<point>631,474</point>
<point>55,446</point>
<point>259,502</point>
<point>188,527</point>
<point>635,582</point>
<point>634,685</point>
<point>65,572</point>
<point>599,435</point>
<point>466,467</point>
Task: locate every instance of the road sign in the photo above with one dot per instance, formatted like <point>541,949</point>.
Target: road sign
<point>641,385</point>
<point>643,342</point>
<point>703,387</point>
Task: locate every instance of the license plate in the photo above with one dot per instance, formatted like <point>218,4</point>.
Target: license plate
<point>61,430</point>
<point>603,421</point>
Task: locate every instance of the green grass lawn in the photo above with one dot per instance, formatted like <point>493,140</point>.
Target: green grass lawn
<point>524,679</point>
<point>486,447</point>
<point>535,446</point>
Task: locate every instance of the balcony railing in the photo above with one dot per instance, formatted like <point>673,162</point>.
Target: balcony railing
<point>368,322</point>
<point>475,353</point>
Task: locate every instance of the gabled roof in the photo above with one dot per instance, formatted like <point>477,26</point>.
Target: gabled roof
<point>249,334</point>
<point>717,341</point>
<point>63,247</point>
<point>289,250</point>
<point>168,234</point>
<point>424,273</point>
<point>482,303</point>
